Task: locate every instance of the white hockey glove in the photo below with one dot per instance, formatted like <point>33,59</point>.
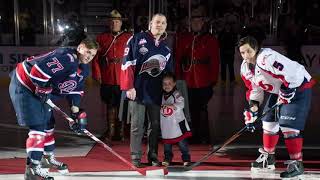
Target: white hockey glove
<point>250,116</point>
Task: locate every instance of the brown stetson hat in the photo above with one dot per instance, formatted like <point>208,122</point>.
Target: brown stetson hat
<point>114,14</point>
<point>198,12</point>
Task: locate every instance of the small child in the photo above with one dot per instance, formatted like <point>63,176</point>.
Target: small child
<point>174,127</point>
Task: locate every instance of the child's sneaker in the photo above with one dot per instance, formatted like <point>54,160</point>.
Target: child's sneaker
<point>186,164</point>
<point>166,163</point>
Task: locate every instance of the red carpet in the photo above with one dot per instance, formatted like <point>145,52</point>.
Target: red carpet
<point>99,159</point>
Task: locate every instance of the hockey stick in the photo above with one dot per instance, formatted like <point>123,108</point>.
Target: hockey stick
<point>228,141</point>
<point>142,171</point>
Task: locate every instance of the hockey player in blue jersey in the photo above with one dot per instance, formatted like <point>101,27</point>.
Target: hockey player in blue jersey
<point>57,74</point>
<point>147,56</point>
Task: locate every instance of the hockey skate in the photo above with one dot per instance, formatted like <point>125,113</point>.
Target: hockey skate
<point>49,161</point>
<point>265,162</point>
<point>36,172</point>
<point>294,169</point>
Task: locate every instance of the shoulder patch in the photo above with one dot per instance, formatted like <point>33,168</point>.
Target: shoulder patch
<point>142,41</point>
<point>264,59</point>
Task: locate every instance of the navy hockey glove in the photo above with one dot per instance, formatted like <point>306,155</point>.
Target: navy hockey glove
<point>43,93</point>
<point>80,122</point>
<point>286,94</point>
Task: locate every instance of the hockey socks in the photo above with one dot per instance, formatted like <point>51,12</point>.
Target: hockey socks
<point>269,142</point>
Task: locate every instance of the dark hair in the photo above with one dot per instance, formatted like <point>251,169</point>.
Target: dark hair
<point>251,41</point>
<point>169,75</point>
<point>90,43</point>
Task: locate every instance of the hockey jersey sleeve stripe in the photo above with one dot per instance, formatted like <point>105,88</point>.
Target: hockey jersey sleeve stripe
<point>37,74</point>
<point>76,92</point>
<point>248,85</point>
<point>22,75</point>
<point>308,85</point>
<point>127,75</point>
<point>127,78</point>
<point>281,77</point>
<point>127,64</point>
<point>71,57</point>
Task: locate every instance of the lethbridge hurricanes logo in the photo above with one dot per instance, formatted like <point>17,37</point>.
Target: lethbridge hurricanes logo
<point>154,65</point>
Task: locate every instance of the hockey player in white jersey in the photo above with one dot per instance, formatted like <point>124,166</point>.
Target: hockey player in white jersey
<point>265,70</point>
<point>173,123</point>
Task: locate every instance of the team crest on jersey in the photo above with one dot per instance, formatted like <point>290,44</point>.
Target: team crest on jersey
<point>67,86</point>
<point>143,50</point>
<point>154,65</point>
<point>142,41</point>
<point>166,112</point>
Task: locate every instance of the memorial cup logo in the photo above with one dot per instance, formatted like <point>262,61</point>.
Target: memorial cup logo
<point>67,86</point>
<point>166,112</point>
<point>143,50</point>
<point>154,65</point>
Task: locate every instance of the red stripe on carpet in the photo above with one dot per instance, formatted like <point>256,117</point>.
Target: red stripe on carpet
<point>99,159</point>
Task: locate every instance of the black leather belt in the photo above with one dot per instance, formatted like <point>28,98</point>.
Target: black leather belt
<point>200,61</point>
<point>115,60</point>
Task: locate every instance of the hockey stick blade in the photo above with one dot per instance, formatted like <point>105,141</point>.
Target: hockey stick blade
<point>177,168</point>
<point>142,171</point>
<point>228,141</point>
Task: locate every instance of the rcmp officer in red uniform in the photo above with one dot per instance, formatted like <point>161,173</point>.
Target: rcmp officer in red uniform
<point>106,69</point>
<point>197,62</point>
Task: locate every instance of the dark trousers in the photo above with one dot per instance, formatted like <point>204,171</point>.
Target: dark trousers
<point>227,61</point>
<point>111,96</point>
<point>199,98</point>
<point>184,149</point>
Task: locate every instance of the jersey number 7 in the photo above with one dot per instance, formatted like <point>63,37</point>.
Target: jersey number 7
<point>55,62</point>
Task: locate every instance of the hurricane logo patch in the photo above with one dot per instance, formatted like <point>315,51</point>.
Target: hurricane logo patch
<point>154,65</point>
